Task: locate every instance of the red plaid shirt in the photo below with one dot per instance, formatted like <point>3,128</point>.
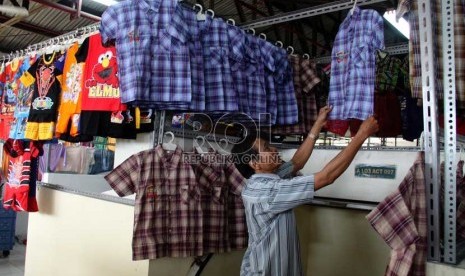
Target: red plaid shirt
<point>401,221</point>
<point>167,213</point>
<point>223,210</point>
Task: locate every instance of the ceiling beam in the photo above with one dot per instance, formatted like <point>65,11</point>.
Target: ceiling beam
<point>67,9</point>
<point>30,27</point>
<point>269,7</point>
<point>240,10</point>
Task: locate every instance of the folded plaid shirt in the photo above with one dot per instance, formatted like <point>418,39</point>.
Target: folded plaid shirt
<point>400,219</point>
<point>167,215</point>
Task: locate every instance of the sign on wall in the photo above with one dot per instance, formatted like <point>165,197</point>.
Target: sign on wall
<point>375,171</point>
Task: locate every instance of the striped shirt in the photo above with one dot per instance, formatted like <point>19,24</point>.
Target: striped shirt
<point>273,241</point>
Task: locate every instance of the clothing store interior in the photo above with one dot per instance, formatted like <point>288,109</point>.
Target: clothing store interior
<point>119,121</point>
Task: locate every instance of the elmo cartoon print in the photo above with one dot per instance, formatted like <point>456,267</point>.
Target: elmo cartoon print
<point>104,72</point>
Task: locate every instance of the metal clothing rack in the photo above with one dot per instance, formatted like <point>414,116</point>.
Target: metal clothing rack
<point>59,40</point>
<point>430,106</point>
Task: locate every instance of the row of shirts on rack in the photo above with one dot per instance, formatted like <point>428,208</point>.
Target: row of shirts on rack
<point>168,59</point>
<point>187,204</point>
<point>72,95</point>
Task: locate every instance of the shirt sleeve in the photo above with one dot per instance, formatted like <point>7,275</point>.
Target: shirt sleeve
<point>286,194</point>
<point>235,179</point>
<point>27,79</point>
<point>285,170</point>
<point>124,178</point>
<point>236,42</point>
<point>81,54</point>
<point>109,25</point>
<point>378,31</point>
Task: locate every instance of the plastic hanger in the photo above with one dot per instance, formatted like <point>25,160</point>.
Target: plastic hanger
<point>231,21</point>
<point>170,146</point>
<point>262,36</point>
<point>251,30</point>
<point>306,56</point>
<point>353,8</point>
<point>198,146</point>
<point>200,16</point>
<point>210,12</point>
<point>279,44</point>
<point>290,50</point>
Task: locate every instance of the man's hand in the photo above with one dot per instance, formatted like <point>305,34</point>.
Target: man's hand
<point>368,127</point>
<point>322,115</point>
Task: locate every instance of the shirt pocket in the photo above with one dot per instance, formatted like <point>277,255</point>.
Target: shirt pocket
<point>360,55</point>
<point>219,57</point>
<point>188,194</point>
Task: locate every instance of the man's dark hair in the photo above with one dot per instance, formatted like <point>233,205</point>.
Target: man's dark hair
<point>244,152</point>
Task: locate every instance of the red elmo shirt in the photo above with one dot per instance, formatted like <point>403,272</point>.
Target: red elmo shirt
<point>101,86</point>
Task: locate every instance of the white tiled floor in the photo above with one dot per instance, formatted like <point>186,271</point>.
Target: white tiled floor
<point>13,265</point>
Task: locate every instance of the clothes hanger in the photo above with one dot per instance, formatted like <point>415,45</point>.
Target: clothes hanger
<point>251,30</point>
<point>170,146</point>
<point>306,56</point>
<point>279,44</point>
<point>210,12</point>
<point>262,36</point>
<point>290,50</point>
<point>231,21</point>
<point>353,8</point>
<point>198,146</point>
<point>200,16</point>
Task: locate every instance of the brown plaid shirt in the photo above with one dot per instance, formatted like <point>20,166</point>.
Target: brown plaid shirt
<point>401,221</point>
<point>223,210</point>
<point>167,214</point>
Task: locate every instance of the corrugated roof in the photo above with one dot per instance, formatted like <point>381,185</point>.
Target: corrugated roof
<point>51,22</point>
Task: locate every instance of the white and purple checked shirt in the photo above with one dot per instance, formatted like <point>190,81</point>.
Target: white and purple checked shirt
<point>287,109</point>
<point>351,90</point>
<point>152,51</point>
<point>221,42</point>
<point>273,240</point>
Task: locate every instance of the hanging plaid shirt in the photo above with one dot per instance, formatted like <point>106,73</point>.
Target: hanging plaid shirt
<point>268,51</point>
<point>461,206</point>
<point>273,240</point>
<point>286,109</point>
<point>249,79</point>
<point>305,79</point>
<point>196,29</point>
<point>400,219</point>
<point>153,59</point>
<point>353,65</point>
<point>223,211</point>
<point>221,42</point>
<point>167,214</point>
<point>409,10</point>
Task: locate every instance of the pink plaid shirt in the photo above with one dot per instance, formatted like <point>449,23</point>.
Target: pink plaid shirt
<point>223,210</point>
<point>401,221</point>
<point>167,214</point>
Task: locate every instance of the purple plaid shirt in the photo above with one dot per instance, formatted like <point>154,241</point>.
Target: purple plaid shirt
<point>353,65</point>
<point>221,42</point>
<point>249,77</point>
<point>196,29</point>
<point>401,221</point>
<point>287,110</point>
<point>153,54</point>
<point>167,215</point>
<point>223,210</point>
